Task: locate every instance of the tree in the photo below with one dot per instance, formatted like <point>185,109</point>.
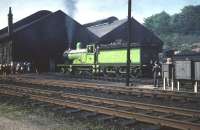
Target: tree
<point>179,30</point>
<point>159,23</point>
<point>190,19</point>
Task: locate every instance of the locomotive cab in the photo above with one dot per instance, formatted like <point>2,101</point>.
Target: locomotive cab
<point>90,48</point>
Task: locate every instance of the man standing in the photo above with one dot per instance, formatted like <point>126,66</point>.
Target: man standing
<point>156,74</point>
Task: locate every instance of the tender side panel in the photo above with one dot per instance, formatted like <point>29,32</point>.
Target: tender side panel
<point>136,56</point>
<point>119,56</point>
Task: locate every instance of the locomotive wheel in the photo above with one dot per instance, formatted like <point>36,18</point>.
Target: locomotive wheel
<point>137,73</point>
<point>133,76</point>
<point>86,74</point>
<point>118,74</point>
<point>62,70</point>
<point>67,72</point>
<point>76,72</point>
<point>105,74</point>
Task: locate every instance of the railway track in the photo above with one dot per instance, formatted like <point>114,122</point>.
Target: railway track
<point>165,116</point>
<point>186,96</point>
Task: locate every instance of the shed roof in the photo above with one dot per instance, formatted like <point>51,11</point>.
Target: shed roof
<point>43,16</point>
<point>117,30</point>
<point>102,29</point>
<point>24,22</point>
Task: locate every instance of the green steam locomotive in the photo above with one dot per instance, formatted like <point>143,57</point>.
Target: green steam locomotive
<point>107,60</point>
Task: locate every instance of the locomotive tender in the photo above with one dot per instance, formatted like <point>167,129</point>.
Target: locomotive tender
<point>109,60</point>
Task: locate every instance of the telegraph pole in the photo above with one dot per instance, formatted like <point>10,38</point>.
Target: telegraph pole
<point>10,23</point>
<point>10,32</point>
<point>128,45</point>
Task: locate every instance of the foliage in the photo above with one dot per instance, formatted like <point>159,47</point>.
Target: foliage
<point>178,30</point>
<point>159,22</point>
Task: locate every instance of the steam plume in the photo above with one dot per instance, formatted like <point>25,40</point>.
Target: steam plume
<point>70,6</point>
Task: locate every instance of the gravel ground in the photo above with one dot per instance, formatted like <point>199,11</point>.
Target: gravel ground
<point>16,114</point>
<point>13,117</point>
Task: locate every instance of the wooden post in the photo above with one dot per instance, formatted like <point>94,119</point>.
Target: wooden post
<point>164,84</point>
<point>172,80</point>
<point>128,45</point>
<point>172,86</point>
<point>178,86</point>
<point>196,87</point>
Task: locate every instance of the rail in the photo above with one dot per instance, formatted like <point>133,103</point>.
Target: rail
<point>111,88</point>
<point>165,116</point>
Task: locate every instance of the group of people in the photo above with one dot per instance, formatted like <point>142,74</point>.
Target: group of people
<point>13,68</point>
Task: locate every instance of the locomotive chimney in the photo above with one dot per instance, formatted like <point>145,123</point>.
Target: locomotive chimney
<point>10,23</point>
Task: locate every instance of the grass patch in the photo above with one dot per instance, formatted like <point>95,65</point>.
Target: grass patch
<point>43,119</point>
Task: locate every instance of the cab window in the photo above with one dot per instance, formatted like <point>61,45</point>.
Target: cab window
<point>90,49</point>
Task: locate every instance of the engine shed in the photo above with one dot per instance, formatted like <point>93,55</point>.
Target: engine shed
<point>41,39</point>
<point>112,31</point>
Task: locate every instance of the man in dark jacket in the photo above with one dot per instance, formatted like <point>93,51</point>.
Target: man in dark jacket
<point>156,74</point>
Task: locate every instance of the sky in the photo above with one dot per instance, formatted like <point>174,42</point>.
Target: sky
<point>86,11</point>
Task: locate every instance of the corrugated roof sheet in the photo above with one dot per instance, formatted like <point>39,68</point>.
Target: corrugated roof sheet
<point>107,20</point>
<point>103,29</point>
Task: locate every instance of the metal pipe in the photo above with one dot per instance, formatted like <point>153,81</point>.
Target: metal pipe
<point>128,45</point>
